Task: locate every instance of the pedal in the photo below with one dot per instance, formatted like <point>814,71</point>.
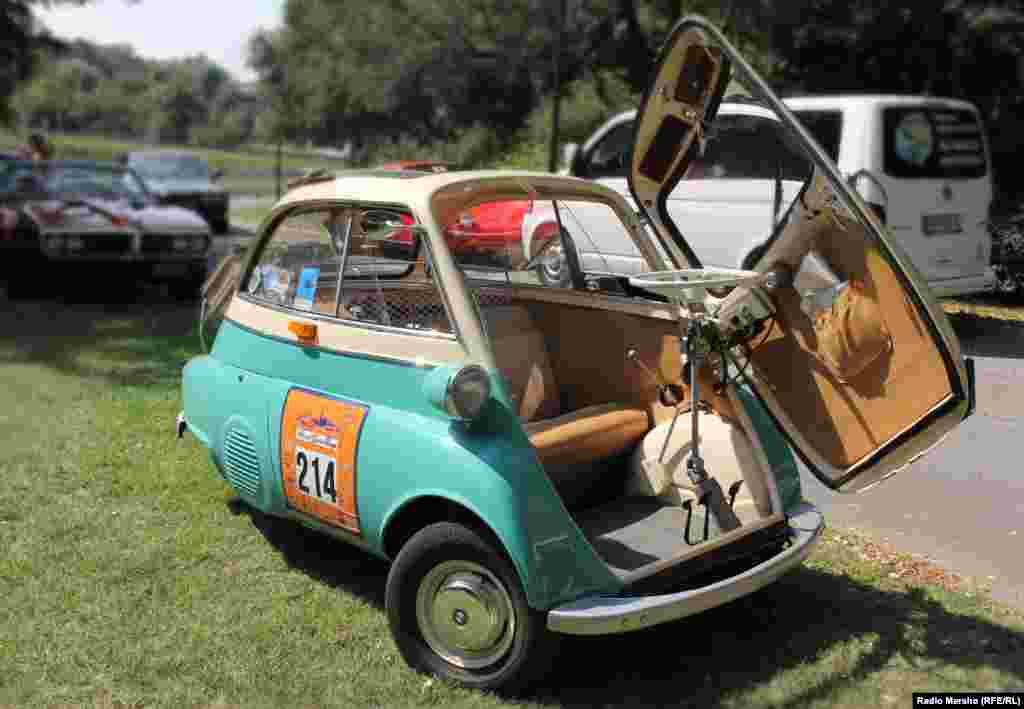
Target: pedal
<point>709,493</point>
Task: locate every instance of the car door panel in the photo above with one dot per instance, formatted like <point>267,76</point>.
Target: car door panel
<point>863,373</point>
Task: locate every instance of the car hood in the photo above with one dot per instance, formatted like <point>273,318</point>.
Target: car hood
<point>178,186</point>
<point>86,213</point>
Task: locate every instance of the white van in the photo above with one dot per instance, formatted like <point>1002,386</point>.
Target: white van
<point>746,177</point>
<point>923,163</point>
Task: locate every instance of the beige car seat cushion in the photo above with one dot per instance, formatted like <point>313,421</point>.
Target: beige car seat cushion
<point>589,434</point>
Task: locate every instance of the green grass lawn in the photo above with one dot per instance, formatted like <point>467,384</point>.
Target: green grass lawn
<point>129,573</point>
<point>250,216</point>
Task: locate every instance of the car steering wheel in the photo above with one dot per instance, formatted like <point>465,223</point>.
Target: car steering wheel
<point>690,285</point>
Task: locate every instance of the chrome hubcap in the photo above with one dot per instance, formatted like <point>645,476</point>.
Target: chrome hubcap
<point>553,262</point>
<point>465,614</point>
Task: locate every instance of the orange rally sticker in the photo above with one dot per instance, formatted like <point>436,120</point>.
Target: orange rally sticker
<point>319,437</point>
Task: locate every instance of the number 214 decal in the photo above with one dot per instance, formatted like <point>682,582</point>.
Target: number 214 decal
<point>319,438</point>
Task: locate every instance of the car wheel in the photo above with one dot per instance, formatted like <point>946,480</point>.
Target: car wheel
<point>457,610</point>
<point>188,288</point>
<point>553,267</point>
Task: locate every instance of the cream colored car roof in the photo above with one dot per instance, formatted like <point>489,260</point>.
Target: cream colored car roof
<point>451,190</point>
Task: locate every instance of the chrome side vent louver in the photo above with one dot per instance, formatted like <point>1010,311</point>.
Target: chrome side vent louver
<point>241,463</point>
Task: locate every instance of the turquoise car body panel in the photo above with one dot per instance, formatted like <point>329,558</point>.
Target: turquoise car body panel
<point>780,456</point>
<point>408,450</point>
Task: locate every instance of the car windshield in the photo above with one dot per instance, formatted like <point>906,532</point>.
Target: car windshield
<point>184,167</point>
<point>70,179</point>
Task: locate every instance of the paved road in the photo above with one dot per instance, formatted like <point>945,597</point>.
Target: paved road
<point>962,505</point>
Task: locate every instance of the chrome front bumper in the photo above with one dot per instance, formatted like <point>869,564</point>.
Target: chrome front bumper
<point>605,615</point>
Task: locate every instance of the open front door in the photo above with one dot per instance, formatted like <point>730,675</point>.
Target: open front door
<point>859,365</point>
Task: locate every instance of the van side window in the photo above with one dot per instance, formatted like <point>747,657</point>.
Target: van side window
<point>610,157</point>
<point>826,127</point>
<point>748,148</point>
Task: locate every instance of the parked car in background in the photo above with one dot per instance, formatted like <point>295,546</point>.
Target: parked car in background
<point>1008,254</point>
<point>922,164</point>
<point>184,179</point>
<point>70,214</point>
<point>743,179</point>
<point>488,233</point>
<point>512,448</point>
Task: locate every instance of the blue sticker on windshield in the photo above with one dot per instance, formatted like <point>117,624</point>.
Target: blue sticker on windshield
<point>305,292</point>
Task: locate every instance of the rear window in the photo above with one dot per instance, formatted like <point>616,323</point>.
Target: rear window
<point>935,143</point>
<point>826,127</point>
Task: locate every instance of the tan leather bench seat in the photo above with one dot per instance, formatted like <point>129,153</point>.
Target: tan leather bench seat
<point>571,445</point>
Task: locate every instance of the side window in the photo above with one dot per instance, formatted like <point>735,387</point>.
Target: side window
<point>610,156</point>
<point>358,265</point>
<point>748,148</point>
<point>298,267</point>
<point>826,127</point>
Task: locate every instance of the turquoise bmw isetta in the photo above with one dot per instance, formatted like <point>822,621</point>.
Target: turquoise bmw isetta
<point>597,458</point>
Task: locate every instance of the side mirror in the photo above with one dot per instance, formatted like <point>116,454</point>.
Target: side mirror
<point>216,175</point>
<point>866,184</point>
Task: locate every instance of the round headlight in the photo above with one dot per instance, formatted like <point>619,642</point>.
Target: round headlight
<point>468,391</point>
<point>180,243</point>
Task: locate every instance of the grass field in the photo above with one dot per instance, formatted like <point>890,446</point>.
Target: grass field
<point>130,574</point>
<point>248,172</point>
<point>250,215</point>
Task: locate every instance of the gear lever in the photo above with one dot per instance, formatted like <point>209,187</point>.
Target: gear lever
<point>668,394</point>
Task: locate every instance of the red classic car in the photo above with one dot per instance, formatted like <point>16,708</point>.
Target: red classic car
<point>491,233</point>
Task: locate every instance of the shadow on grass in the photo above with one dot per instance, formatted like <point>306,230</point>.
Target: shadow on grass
<point>707,659</point>
<point>339,565</point>
<point>124,336</point>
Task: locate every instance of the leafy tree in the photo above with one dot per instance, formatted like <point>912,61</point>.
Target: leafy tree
<point>20,50</point>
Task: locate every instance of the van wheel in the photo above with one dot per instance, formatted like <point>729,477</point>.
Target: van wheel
<point>553,268</point>
<point>457,610</point>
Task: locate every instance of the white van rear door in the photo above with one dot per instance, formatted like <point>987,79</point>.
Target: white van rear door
<point>935,170</point>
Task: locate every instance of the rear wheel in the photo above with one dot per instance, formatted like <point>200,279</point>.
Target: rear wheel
<point>457,610</point>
